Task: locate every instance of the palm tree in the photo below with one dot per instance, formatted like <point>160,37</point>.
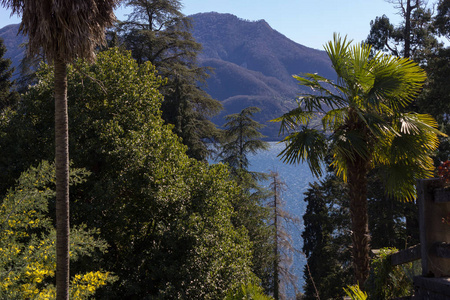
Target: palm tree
<point>363,128</point>
<point>63,30</point>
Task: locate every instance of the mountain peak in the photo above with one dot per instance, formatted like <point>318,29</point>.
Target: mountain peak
<point>253,65</point>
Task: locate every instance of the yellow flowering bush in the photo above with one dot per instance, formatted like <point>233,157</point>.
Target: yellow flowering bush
<point>27,242</point>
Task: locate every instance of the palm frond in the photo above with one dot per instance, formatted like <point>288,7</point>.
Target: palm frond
<point>307,145</point>
<point>397,81</point>
<point>334,118</point>
<point>64,30</point>
<point>323,92</point>
<point>292,119</point>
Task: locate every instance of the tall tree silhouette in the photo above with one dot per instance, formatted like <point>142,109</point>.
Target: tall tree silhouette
<point>7,96</point>
<point>241,138</point>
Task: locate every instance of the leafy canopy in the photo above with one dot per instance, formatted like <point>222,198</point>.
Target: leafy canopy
<point>361,118</point>
<point>168,218</point>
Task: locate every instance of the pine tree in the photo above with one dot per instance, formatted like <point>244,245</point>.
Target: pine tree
<point>412,38</point>
<point>156,31</point>
<point>326,240</point>
<point>241,137</point>
<point>8,97</point>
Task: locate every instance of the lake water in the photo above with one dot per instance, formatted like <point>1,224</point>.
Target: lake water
<point>297,179</point>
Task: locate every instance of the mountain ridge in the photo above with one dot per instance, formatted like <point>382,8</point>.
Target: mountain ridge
<point>253,65</point>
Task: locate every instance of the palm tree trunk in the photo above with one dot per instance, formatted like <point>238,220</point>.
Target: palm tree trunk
<point>357,184</point>
<point>62,181</point>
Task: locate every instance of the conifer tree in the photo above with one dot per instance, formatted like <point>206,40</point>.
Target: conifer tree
<point>156,31</point>
<point>7,96</point>
<point>241,138</point>
<point>412,38</point>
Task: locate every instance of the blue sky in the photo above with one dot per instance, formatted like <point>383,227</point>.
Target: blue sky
<point>308,22</point>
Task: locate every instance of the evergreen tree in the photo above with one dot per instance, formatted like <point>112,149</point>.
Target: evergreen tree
<point>412,38</point>
<point>241,137</point>
<point>156,31</point>
<point>368,130</point>
<point>442,18</point>
<point>326,239</point>
<point>8,97</point>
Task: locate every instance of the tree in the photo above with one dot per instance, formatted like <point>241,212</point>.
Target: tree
<point>27,243</point>
<point>283,248</point>
<point>363,128</point>
<point>168,218</point>
<point>156,31</point>
<point>326,240</point>
<point>241,138</point>
<point>412,38</point>
<point>442,19</point>
<point>63,31</point>
<point>7,96</point>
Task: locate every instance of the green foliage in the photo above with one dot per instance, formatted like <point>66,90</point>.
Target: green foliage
<point>413,38</point>
<point>157,32</point>
<point>442,19</point>
<point>326,240</point>
<point>369,100</point>
<point>355,293</point>
<point>27,243</point>
<point>241,137</point>
<point>387,281</point>
<point>169,219</point>
<point>363,127</point>
<point>7,96</point>
<point>247,292</point>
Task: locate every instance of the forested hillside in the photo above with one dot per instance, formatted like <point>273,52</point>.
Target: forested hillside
<point>252,65</point>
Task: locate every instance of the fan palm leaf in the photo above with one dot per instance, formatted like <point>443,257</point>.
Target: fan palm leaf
<point>363,127</point>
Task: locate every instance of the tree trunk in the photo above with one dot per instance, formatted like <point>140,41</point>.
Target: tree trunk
<point>62,181</point>
<point>357,184</point>
<point>276,276</point>
<point>407,32</point>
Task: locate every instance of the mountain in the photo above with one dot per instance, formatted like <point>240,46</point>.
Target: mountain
<point>253,64</point>
<point>13,42</point>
